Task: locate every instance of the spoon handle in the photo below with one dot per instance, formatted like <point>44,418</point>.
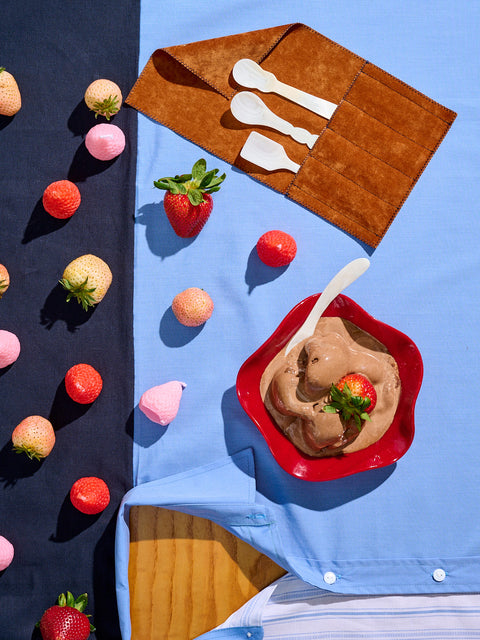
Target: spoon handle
<point>303,136</point>
<point>337,284</point>
<point>297,133</point>
<point>319,106</point>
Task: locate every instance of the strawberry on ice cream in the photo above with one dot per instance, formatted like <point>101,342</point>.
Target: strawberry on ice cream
<point>161,403</point>
<point>105,141</point>
<point>9,348</point>
<point>6,553</point>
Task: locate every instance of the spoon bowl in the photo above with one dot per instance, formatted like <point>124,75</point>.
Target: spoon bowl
<point>248,108</point>
<point>266,153</point>
<point>250,74</point>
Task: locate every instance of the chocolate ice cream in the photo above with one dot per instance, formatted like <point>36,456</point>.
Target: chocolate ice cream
<point>296,387</point>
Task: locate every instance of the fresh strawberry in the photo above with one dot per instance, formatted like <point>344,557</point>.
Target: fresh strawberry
<point>192,307</point>
<point>66,620</point>
<point>61,199</point>
<point>83,383</point>
<point>90,495</point>
<point>34,436</point>
<point>354,397</point>
<point>103,97</point>
<point>87,279</point>
<point>276,248</point>
<point>188,202</point>
<point>10,98</point>
<point>4,280</point>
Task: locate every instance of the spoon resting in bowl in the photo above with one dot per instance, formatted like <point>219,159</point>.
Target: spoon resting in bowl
<point>337,284</point>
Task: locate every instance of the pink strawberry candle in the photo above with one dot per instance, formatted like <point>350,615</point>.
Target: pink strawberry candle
<point>6,553</point>
<point>9,348</point>
<point>161,403</point>
<point>105,141</point>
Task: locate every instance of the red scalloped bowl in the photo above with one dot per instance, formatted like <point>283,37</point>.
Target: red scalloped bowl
<point>393,444</point>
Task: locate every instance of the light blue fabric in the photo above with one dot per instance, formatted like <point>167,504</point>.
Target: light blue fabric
<point>224,492</point>
<point>381,529</point>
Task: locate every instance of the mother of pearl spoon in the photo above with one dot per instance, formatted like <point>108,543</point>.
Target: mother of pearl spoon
<point>267,153</point>
<point>248,73</point>
<point>249,108</point>
<point>338,283</point>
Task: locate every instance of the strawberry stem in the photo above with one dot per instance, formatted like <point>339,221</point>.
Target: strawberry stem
<point>107,107</point>
<point>349,407</point>
<point>80,292</point>
<point>194,184</point>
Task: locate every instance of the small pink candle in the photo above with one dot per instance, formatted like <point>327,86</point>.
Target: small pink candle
<point>105,141</point>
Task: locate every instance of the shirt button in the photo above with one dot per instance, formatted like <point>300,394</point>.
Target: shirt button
<point>329,577</point>
<point>249,634</point>
<point>439,575</point>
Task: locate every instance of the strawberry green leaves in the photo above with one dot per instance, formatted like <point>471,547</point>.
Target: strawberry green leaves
<point>193,184</point>
<point>348,406</point>
<point>68,600</point>
<point>80,292</point>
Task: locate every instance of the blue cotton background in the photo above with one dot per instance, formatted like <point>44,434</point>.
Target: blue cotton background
<point>423,280</point>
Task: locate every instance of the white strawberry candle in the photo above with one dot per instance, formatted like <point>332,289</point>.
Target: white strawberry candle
<point>105,141</point>
<point>9,348</point>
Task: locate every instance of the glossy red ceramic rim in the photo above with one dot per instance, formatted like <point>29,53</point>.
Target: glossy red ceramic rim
<point>394,443</point>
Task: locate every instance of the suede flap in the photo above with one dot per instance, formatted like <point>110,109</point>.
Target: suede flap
<point>368,155</point>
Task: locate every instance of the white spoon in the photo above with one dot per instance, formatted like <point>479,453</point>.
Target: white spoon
<point>248,108</point>
<point>248,73</point>
<point>267,153</point>
<point>338,283</point>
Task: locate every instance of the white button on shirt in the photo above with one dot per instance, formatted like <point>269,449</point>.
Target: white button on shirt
<point>329,577</point>
<point>439,575</point>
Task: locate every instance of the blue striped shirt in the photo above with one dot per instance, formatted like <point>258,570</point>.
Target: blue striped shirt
<point>290,609</point>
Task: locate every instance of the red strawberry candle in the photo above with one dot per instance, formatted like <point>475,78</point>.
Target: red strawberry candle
<point>90,495</point>
<point>83,383</point>
<point>61,199</point>
<point>276,248</point>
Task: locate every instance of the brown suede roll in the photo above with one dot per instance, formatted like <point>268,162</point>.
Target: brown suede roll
<point>368,156</point>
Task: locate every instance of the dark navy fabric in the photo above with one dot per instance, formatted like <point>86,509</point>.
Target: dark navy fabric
<point>55,50</point>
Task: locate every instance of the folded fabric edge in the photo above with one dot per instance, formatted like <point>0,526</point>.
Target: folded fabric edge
<point>241,464</point>
<point>402,576</point>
